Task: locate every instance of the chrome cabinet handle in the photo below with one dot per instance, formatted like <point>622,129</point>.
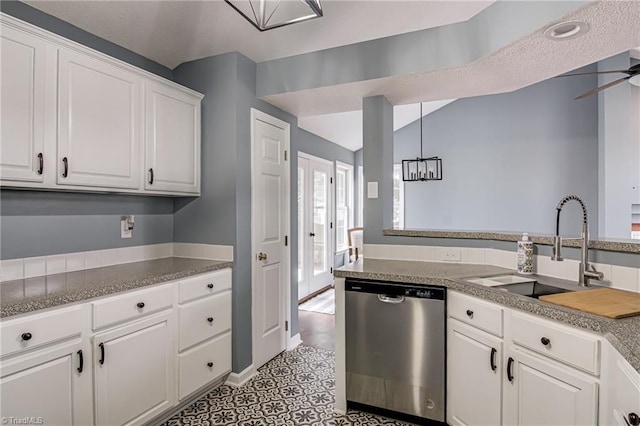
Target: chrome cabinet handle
<point>40,164</point>
<point>390,299</point>
<point>65,171</point>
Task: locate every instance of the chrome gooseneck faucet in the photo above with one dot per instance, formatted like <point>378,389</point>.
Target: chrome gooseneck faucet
<point>587,271</point>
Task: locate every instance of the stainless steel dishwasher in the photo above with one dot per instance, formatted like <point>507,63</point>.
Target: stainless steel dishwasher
<point>395,343</point>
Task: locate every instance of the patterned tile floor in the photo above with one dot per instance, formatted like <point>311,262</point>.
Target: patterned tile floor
<point>295,388</point>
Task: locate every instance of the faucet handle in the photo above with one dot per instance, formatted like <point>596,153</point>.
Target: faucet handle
<point>557,251</point>
<point>592,273</point>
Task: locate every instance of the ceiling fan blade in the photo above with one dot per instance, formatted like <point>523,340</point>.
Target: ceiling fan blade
<point>606,86</point>
<point>590,73</point>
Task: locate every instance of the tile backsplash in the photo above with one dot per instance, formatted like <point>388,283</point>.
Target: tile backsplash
<point>621,277</point>
<point>14,269</point>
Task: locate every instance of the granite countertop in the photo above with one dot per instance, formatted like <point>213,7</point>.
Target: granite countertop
<point>623,246</point>
<point>32,294</point>
<point>624,334</point>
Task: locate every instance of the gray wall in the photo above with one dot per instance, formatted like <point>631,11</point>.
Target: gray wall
<point>619,150</point>
<point>222,215</point>
<point>38,223</point>
<point>508,160</point>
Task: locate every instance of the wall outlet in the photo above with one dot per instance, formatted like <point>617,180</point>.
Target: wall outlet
<point>126,226</point>
<point>452,255</point>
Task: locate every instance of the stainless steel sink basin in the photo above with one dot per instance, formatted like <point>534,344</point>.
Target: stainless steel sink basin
<point>530,285</point>
<point>533,289</point>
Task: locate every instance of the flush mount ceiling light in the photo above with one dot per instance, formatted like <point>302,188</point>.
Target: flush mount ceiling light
<point>635,80</point>
<point>270,14</point>
<point>566,30</point>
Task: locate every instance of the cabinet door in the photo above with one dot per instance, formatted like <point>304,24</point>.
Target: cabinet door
<point>23,73</point>
<point>99,128</point>
<point>134,372</point>
<point>48,387</point>
<point>172,140</point>
<point>474,382</point>
<point>543,393</point>
<point>626,394</point>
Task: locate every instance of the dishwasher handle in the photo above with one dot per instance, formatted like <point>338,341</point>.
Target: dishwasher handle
<point>390,299</point>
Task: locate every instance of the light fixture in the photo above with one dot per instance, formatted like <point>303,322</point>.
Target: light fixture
<point>271,14</point>
<point>566,30</point>
<point>422,169</point>
<point>635,80</point>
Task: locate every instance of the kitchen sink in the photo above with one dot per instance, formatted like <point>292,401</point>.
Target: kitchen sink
<point>530,286</point>
<point>533,289</point>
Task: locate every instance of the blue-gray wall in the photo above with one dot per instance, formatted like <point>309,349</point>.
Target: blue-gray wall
<point>222,215</point>
<point>37,223</point>
<point>508,160</point>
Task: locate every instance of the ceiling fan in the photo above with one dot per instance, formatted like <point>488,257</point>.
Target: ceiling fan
<point>633,74</point>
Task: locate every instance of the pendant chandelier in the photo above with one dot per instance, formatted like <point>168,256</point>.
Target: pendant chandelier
<point>270,14</point>
<point>422,169</point>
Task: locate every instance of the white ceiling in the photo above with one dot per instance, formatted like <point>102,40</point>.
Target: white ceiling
<point>345,128</point>
<point>172,32</point>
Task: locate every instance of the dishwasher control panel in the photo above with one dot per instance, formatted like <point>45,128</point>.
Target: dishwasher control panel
<point>425,291</point>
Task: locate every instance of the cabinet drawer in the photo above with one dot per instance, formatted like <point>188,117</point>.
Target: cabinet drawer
<point>131,305</point>
<point>36,330</point>
<point>194,369</point>
<point>483,315</point>
<point>203,285</point>
<point>556,341</point>
<point>204,318</point>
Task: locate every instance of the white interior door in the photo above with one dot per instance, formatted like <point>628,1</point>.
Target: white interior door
<point>270,213</point>
<point>315,224</point>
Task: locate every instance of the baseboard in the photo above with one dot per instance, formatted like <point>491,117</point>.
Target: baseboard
<point>294,342</point>
<point>238,379</point>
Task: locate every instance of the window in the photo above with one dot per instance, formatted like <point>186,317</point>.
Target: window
<point>344,204</point>
<point>398,197</point>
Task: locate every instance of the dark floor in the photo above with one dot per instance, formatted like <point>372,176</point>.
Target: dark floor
<point>317,330</point>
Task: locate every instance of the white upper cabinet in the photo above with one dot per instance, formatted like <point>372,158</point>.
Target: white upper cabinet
<point>24,73</point>
<point>99,126</point>
<point>77,120</point>
<point>172,140</point>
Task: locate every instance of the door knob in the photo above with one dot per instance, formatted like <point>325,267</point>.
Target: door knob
<point>312,234</point>
<point>262,256</point>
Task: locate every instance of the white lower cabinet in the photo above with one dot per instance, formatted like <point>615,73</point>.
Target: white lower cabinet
<point>474,381</point>
<point>134,367</point>
<point>538,392</point>
<point>55,370</point>
<point>51,386</point>
<point>537,381</point>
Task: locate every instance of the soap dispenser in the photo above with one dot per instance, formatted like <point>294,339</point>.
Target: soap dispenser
<point>525,255</point>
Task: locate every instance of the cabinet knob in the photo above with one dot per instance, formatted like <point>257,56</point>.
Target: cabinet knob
<point>634,419</point>
<point>26,336</point>
<point>469,313</point>
<point>210,285</point>
<point>210,319</point>
<point>545,341</point>
<point>140,305</point>
<point>209,364</point>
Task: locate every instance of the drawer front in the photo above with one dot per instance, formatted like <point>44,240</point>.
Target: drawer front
<point>204,318</point>
<point>204,363</point>
<point>131,305</point>
<point>39,329</point>
<point>483,315</point>
<point>204,285</point>
<point>556,341</point>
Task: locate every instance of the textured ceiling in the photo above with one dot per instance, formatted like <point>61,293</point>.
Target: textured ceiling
<point>172,32</point>
<point>615,28</point>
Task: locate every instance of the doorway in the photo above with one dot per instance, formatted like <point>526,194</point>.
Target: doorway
<point>315,225</point>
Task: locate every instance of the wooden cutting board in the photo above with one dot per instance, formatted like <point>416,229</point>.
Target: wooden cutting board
<point>606,302</point>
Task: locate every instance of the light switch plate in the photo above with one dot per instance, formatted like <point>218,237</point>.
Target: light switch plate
<point>372,189</point>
